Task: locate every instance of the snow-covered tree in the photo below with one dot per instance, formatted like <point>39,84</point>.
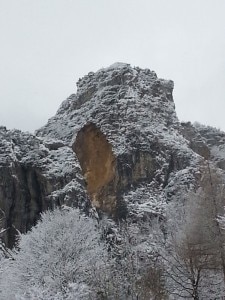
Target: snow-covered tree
<point>58,259</point>
<point>64,257</point>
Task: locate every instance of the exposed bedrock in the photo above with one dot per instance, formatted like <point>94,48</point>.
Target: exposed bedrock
<point>22,191</point>
<point>132,154</point>
<point>108,176</point>
<point>35,175</point>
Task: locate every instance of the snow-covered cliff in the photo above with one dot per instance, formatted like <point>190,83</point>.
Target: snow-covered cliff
<point>117,142</point>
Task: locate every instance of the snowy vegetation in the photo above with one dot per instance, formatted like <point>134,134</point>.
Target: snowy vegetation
<point>56,259</point>
<point>70,256</point>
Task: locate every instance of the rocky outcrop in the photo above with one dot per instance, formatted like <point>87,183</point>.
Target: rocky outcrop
<point>196,141</point>
<point>35,175</point>
<point>207,141</point>
<point>109,175</point>
<point>117,143</point>
<point>123,128</point>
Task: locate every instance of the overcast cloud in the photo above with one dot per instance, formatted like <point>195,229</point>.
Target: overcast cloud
<point>47,45</point>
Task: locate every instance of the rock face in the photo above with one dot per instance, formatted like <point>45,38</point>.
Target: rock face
<point>207,141</point>
<point>108,176</point>
<point>196,141</point>
<point>98,165</point>
<point>34,176</point>
<point>123,128</point>
<point>117,143</point>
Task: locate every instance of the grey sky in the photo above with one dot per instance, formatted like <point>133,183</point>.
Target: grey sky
<point>46,45</point>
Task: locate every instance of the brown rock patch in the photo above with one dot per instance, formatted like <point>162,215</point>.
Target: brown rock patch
<point>97,163</point>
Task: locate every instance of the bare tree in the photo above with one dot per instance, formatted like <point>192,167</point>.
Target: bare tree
<point>188,265</point>
<point>213,190</point>
<point>195,243</point>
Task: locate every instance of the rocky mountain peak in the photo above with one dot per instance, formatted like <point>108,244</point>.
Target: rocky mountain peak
<point>116,144</point>
<point>118,99</point>
<point>123,128</point>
